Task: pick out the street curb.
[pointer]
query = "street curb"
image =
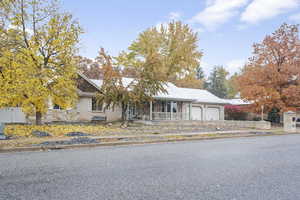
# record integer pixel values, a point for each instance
(61, 147)
(178, 134)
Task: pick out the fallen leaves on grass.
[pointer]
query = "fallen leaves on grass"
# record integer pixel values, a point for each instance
(55, 130)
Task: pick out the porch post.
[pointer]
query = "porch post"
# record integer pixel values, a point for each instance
(190, 111)
(150, 110)
(181, 116)
(171, 110)
(128, 112)
(166, 107)
(166, 110)
(204, 113)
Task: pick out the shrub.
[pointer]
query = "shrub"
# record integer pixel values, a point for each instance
(233, 112)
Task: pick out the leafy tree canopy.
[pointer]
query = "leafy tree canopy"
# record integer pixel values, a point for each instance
(158, 55)
(38, 46)
(174, 48)
(272, 77)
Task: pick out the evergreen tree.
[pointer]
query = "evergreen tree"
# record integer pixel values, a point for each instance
(217, 81)
(200, 73)
(232, 87)
(274, 115)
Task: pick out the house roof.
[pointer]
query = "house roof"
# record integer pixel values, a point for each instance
(237, 102)
(177, 93)
(97, 86)
(125, 81)
(199, 95)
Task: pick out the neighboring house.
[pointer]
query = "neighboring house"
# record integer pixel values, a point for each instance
(177, 104)
(237, 102)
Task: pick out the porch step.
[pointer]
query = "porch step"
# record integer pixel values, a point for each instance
(185, 123)
(162, 127)
(170, 130)
(188, 123)
(173, 122)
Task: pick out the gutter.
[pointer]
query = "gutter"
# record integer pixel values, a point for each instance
(85, 94)
(174, 99)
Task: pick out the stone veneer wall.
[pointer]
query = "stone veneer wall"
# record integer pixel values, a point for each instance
(241, 124)
(222, 123)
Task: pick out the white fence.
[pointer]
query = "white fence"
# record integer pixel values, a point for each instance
(12, 115)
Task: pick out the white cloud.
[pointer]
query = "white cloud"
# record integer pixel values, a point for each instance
(235, 65)
(172, 16)
(295, 17)
(199, 30)
(207, 68)
(259, 10)
(218, 12)
(209, 2)
(175, 15)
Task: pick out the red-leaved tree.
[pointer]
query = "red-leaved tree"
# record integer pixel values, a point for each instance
(271, 79)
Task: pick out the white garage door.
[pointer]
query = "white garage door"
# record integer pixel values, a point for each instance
(196, 113)
(212, 114)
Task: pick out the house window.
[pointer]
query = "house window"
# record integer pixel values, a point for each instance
(159, 106)
(163, 106)
(96, 106)
(57, 107)
(168, 106)
(175, 107)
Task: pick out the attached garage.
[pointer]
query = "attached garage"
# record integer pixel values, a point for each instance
(196, 113)
(212, 113)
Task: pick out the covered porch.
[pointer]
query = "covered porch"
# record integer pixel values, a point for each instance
(162, 110)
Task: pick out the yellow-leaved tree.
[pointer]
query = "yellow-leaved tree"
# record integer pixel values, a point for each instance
(158, 55)
(37, 48)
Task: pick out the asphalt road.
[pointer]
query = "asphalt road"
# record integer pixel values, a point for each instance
(245, 168)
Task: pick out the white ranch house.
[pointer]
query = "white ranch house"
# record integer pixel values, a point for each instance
(177, 104)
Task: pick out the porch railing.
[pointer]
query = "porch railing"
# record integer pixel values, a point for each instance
(169, 116)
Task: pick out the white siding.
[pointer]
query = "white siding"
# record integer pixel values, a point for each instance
(12, 115)
(196, 113)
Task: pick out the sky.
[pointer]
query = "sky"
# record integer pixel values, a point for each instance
(227, 29)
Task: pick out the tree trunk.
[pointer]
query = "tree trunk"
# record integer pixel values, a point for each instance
(124, 112)
(38, 118)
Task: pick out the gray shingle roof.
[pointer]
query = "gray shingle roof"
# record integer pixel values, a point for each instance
(178, 93)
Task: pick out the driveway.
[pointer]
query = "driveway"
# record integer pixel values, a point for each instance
(241, 168)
